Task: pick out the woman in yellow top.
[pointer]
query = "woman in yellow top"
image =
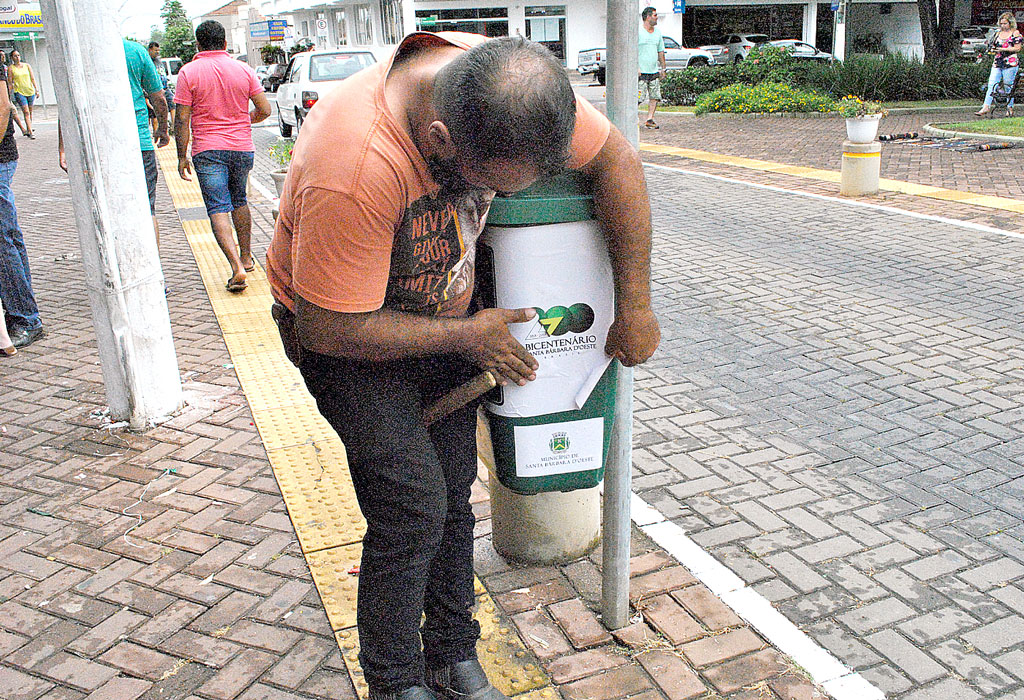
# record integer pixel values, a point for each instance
(24, 88)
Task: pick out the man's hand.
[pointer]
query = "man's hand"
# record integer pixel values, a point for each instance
(184, 169)
(487, 342)
(162, 138)
(633, 336)
(62, 160)
(661, 73)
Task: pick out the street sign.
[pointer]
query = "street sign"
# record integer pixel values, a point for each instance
(321, 27)
(276, 29)
(428, 21)
(679, 7)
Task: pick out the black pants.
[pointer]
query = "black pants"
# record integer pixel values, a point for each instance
(413, 486)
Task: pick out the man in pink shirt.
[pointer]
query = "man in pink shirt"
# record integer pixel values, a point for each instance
(213, 95)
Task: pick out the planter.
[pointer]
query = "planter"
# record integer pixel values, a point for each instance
(278, 177)
(863, 129)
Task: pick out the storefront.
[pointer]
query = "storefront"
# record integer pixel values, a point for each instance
(24, 32)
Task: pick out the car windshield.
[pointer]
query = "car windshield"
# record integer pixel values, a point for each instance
(757, 38)
(175, 65)
(338, 66)
(670, 43)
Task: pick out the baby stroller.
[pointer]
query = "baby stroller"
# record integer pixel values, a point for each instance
(1003, 93)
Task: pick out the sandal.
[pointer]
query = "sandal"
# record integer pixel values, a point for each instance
(235, 287)
(251, 267)
(8, 351)
(651, 125)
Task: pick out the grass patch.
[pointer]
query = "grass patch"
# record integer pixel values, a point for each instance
(928, 104)
(1013, 126)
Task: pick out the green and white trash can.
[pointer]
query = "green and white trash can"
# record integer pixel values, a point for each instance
(543, 249)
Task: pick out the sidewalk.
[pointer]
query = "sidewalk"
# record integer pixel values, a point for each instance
(213, 594)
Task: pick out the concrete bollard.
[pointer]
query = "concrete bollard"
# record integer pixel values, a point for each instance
(547, 528)
(862, 163)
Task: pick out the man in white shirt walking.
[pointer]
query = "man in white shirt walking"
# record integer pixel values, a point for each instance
(651, 63)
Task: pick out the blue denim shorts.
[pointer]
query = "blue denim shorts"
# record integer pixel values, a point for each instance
(222, 178)
(24, 100)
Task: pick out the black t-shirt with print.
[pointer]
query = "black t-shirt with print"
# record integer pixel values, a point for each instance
(8, 148)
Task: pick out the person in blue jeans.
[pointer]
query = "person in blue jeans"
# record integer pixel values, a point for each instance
(21, 314)
(1006, 45)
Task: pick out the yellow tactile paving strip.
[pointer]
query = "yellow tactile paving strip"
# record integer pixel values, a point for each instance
(309, 462)
(900, 186)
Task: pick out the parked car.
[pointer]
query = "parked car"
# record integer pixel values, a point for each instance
(801, 49)
(170, 67)
(272, 79)
(592, 61)
(973, 40)
(733, 48)
(311, 75)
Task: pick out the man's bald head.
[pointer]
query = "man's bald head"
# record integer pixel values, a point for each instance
(508, 98)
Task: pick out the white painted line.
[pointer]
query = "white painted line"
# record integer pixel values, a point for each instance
(709, 570)
(852, 203)
(644, 514)
(824, 668)
(264, 192)
(753, 608)
(853, 686)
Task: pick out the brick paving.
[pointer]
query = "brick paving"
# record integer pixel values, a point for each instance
(835, 415)
(816, 142)
(209, 597)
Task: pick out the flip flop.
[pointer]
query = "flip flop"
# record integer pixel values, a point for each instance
(235, 287)
(251, 267)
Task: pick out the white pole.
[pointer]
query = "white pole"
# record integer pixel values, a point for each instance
(621, 72)
(122, 267)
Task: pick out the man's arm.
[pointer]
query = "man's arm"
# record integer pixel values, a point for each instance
(661, 62)
(261, 108)
(182, 131)
(5, 108)
(159, 103)
(624, 210)
(391, 335)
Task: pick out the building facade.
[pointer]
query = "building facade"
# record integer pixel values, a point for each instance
(569, 26)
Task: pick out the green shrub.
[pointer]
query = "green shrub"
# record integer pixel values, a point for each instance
(768, 63)
(896, 77)
(681, 87)
(764, 97)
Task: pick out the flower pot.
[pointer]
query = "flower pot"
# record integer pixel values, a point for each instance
(863, 129)
(278, 177)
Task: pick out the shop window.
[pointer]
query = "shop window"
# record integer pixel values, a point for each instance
(391, 21)
(341, 27)
(364, 25)
(489, 21)
(545, 24)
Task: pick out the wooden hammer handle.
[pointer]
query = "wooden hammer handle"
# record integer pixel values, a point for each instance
(459, 397)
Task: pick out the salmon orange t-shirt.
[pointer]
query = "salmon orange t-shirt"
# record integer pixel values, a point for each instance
(363, 225)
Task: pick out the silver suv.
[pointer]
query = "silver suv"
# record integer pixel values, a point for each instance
(733, 48)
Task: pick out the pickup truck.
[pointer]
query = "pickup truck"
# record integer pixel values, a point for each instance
(591, 61)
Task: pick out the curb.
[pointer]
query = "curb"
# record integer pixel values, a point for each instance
(820, 115)
(936, 131)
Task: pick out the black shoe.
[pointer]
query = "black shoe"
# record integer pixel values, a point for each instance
(22, 337)
(417, 692)
(465, 680)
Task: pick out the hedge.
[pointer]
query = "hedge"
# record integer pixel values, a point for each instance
(890, 79)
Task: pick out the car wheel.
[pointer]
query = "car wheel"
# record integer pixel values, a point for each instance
(601, 79)
(698, 61)
(298, 122)
(285, 129)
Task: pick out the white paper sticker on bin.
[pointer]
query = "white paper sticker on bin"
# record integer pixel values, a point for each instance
(559, 448)
(574, 311)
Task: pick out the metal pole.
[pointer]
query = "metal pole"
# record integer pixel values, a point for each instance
(621, 73)
(108, 186)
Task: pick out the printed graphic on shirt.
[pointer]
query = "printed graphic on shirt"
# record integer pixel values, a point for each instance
(432, 258)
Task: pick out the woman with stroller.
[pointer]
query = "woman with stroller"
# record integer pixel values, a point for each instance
(1006, 44)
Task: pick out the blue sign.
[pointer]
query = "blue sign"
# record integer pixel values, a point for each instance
(679, 6)
(835, 5)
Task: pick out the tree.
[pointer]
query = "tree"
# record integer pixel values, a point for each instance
(937, 30)
(156, 34)
(179, 38)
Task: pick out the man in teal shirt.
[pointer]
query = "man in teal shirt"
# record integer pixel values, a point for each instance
(652, 63)
(145, 82)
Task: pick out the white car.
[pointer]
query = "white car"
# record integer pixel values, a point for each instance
(592, 61)
(733, 48)
(801, 49)
(311, 75)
